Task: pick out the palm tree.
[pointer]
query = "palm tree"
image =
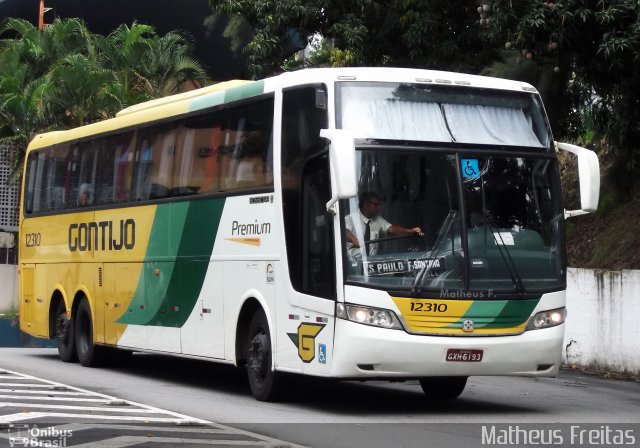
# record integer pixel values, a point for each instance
(168, 64)
(64, 76)
(80, 91)
(22, 113)
(123, 51)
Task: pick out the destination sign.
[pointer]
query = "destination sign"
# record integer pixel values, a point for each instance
(434, 266)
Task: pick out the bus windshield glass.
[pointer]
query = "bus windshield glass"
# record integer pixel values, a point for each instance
(427, 113)
(504, 212)
(448, 207)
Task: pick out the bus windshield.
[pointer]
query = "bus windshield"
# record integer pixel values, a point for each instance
(418, 112)
(504, 212)
(491, 221)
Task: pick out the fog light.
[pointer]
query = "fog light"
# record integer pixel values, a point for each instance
(547, 319)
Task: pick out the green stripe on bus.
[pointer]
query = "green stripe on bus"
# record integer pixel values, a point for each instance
(157, 268)
(192, 262)
(514, 313)
(244, 91)
(497, 313)
(211, 100)
(176, 262)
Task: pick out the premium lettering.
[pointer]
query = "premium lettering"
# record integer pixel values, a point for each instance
(103, 235)
(255, 228)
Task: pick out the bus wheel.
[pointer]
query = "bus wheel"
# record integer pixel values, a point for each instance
(443, 388)
(89, 354)
(65, 336)
(262, 379)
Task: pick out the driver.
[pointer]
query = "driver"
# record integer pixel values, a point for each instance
(367, 225)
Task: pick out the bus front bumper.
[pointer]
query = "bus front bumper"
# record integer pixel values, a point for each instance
(362, 351)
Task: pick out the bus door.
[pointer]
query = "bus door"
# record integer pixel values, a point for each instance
(308, 315)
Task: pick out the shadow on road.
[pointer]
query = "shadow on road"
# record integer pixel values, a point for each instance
(336, 397)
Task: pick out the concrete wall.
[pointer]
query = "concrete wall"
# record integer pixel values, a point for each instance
(8, 287)
(603, 322)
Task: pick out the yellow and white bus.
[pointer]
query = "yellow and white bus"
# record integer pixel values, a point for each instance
(219, 224)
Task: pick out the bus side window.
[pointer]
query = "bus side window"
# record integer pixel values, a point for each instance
(115, 159)
(187, 175)
(33, 181)
(87, 175)
(57, 178)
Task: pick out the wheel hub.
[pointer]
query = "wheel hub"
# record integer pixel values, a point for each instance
(257, 361)
(62, 329)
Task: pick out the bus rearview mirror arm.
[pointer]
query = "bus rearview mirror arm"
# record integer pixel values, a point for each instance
(589, 174)
(342, 160)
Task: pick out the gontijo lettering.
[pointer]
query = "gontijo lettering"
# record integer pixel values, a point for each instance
(254, 228)
(102, 235)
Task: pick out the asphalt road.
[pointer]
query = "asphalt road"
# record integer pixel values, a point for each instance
(375, 414)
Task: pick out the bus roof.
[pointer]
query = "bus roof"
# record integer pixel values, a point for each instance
(405, 75)
(230, 91)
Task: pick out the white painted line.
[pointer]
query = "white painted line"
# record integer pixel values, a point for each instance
(48, 392)
(125, 441)
(132, 403)
(27, 385)
(79, 408)
(92, 400)
(31, 415)
(183, 429)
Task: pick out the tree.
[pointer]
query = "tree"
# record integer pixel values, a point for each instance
(168, 65)
(64, 76)
(79, 91)
(436, 34)
(594, 48)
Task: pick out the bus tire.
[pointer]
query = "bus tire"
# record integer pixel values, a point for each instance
(264, 381)
(65, 334)
(89, 354)
(443, 388)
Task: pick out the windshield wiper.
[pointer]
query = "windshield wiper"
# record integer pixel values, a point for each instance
(424, 272)
(508, 261)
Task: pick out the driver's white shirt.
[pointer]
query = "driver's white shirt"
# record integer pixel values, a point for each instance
(356, 222)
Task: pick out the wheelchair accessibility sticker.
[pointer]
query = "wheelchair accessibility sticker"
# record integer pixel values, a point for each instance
(322, 356)
(470, 168)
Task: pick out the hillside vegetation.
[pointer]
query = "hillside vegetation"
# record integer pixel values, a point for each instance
(608, 239)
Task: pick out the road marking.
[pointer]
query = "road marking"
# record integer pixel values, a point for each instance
(125, 441)
(90, 400)
(133, 424)
(128, 407)
(32, 415)
(48, 392)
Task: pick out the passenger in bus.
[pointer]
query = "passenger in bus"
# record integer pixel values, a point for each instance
(85, 195)
(366, 224)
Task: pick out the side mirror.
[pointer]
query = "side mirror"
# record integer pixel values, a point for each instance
(342, 156)
(589, 173)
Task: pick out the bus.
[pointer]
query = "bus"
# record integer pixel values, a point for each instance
(216, 224)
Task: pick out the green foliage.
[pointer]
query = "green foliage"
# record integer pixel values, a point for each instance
(597, 44)
(438, 34)
(65, 76)
(582, 55)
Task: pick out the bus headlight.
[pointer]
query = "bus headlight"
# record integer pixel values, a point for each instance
(375, 317)
(546, 319)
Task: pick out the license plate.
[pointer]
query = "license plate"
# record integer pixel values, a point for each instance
(464, 355)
